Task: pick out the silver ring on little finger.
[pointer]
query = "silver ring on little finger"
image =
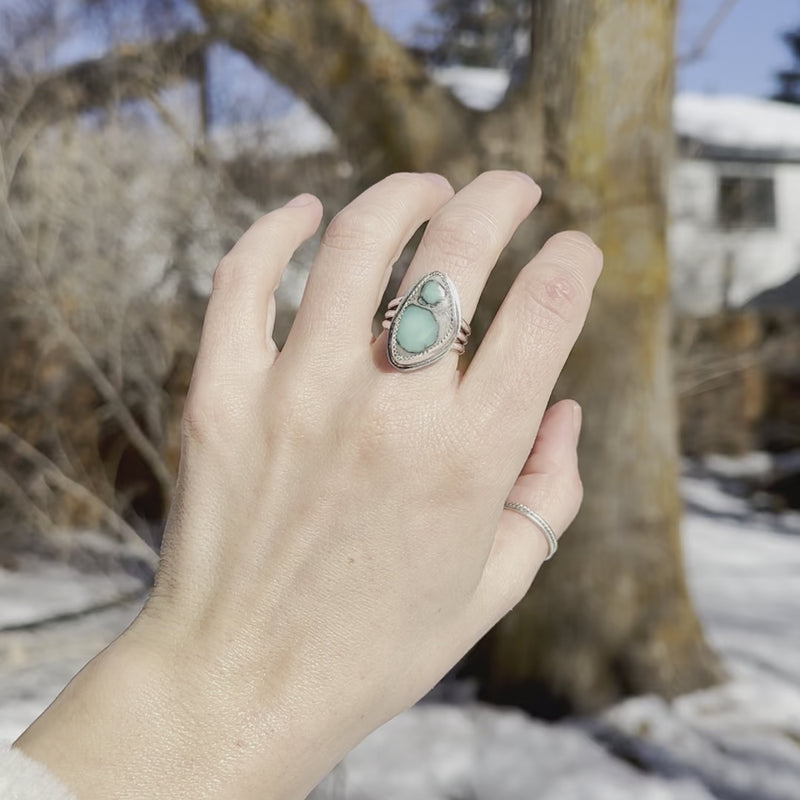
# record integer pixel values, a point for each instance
(540, 522)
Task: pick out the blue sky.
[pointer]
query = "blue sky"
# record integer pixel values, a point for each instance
(746, 49)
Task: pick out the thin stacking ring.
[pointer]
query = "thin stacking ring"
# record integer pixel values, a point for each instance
(539, 522)
(425, 324)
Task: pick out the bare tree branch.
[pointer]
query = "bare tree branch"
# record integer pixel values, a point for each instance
(700, 44)
(378, 99)
(17, 492)
(62, 481)
(135, 71)
(82, 355)
(705, 377)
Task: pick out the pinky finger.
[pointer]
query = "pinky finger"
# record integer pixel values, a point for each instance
(550, 485)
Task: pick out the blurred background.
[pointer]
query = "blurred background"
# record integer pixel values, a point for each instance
(658, 656)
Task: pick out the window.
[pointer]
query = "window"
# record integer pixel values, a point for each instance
(746, 202)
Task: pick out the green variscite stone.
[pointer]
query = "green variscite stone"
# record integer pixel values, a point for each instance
(416, 329)
(432, 292)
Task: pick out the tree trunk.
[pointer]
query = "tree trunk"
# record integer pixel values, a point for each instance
(610, 616)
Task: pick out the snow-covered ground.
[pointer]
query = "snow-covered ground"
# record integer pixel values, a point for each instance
(737, 741)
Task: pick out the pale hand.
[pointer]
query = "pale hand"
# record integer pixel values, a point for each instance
(338, 539)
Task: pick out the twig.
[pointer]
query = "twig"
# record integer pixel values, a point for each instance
(14, 488)
(56, 475)
(707, 383)
(138, 439)
(203, 155)
(698, 48)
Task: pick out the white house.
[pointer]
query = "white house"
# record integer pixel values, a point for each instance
(734, 200)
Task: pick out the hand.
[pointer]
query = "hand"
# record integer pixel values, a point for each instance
(338, 539)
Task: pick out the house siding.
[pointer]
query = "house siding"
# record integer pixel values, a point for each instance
(713, 267)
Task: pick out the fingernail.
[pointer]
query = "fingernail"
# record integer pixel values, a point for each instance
(577, 420)
(304, 199)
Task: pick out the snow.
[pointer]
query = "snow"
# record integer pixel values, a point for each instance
(744, 569)
(439, 752)
(46, 590)
(737, 741)
(751, 465)
(35, 665)
(738, 121)
(478, 88)
(741, 738)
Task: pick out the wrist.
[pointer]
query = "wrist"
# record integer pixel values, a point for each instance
(134, 723)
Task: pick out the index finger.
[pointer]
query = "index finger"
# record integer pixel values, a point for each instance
(512, 375)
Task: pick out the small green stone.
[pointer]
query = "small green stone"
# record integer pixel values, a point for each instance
(432, 292)
(417, 329)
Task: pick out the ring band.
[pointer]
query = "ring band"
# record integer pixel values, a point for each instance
(539, 522)
(425, 324)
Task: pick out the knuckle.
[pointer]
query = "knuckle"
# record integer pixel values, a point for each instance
(577, 492)
(519, 585)
(511, 590)
(215, 414)
(544, 465)
(295, 426)
(366, 425)
(356, 230)
(556, 296)
(300, 416)
(464, 457)
(462, 240)
(200, 419)
(370, 432)
(228, 272)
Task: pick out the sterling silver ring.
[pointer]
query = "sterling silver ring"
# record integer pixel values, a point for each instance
(540, 523)
(425, 323)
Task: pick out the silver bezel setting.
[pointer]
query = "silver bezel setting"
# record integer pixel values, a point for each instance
(448, 317)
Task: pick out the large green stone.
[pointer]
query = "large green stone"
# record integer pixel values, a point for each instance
(416, 329)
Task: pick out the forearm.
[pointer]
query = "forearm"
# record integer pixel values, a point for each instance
(131, 726)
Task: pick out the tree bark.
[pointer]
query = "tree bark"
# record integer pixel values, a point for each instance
(611, 615)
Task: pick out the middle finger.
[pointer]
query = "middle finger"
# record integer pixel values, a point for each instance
(465, 237)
